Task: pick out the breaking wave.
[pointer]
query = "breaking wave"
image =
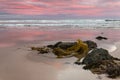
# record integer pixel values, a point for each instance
(83, 23)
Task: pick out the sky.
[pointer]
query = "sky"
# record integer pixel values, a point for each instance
(59, 9)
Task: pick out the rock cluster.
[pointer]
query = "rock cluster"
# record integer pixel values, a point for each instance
(98, 61)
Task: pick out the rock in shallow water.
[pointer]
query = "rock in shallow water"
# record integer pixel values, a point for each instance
(97, 55)
(101, 38)
(100, 61)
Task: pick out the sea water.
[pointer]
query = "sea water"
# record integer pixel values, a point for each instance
(81, 23)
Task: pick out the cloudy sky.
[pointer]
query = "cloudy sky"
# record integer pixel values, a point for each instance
(61, 9)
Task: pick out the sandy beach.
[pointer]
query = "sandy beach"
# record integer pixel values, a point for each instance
(18, 62)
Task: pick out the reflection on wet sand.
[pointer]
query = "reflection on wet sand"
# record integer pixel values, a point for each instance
(19, 36)
(74, 72)
(64, 71)
(19, 63)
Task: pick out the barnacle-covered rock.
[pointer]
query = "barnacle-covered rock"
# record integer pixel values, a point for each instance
(109, 67)
(113, 69)
(100, 61)
(97, 55)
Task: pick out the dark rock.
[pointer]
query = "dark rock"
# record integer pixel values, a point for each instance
(109, 67)
(55, 45)
(99, 61)
(91, 44)
(65, 45)
(101, 38)
(113, 70)
(62, 45)
(97, 55)
(50, 46)
(78, 63)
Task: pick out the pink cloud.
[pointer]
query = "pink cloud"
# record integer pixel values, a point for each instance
(53, 7)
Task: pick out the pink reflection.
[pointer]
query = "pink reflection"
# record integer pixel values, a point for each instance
(2, 45)
(14, 37)
(24, 35)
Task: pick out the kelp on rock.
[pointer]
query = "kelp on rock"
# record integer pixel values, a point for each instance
(98, 61)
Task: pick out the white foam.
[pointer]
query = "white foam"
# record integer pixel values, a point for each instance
(82, 23)
(109, 47)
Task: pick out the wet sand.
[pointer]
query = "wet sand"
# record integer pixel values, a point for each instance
(18, 62)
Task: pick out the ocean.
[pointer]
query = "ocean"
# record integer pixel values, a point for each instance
(61, 24)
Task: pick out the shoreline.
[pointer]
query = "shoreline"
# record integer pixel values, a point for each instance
(61, 27)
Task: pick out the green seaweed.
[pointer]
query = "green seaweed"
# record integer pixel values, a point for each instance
(79, 50)
(41, 50)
